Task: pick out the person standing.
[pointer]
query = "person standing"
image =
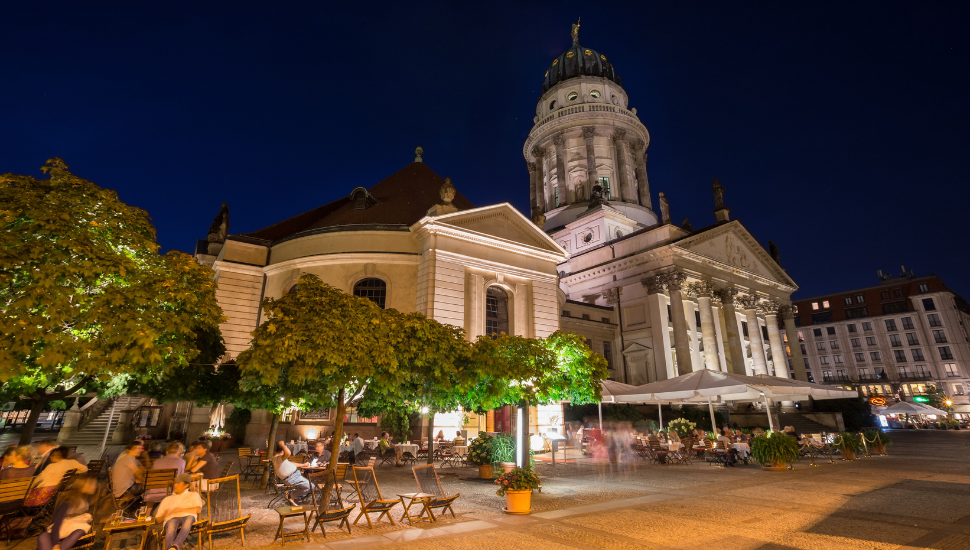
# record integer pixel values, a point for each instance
(178, 511)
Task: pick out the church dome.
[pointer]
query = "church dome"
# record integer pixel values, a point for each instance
(579, 61)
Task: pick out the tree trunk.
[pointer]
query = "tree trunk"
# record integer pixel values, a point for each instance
(430, 437)
(338, 429)
(270, 448)
(37, 406)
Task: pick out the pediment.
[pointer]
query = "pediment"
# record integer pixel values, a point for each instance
(635, 348)
(733, 245)
(502, 221)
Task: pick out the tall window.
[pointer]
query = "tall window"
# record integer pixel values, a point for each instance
(496, 312)
(945, 353)
(875, 356)
(870, 340)
(923, 287)
(899, 355)
(834, 344)
(928, 304)
(838, 359)
(917, 354)
(830, 331)
(744, 328)
(851, 327)
(895, 341)
(867, 326)
(934, 320)
(860, 358)
(951, 370)
(555, 192)
(374, 290)
(908, 323)
(820, 346)
(855, 342)
(608, 354)
(939, 336)
(848, 300)
(911, 339)
(817, 332)
(605, 184)
(860, 299)
(890, 325)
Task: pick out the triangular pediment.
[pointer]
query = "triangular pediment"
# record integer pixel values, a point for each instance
(501, 221)
(733, 245)
(635, 348)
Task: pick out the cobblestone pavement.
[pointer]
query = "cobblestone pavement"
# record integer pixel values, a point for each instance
(918, 497)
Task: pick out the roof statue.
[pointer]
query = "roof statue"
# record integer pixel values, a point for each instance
(447, 192)
(575, 32)
(664, 209)
(718, 191)
(219, 229)
(596, 197)
(773, 250)
(686, 225)
(417, 154)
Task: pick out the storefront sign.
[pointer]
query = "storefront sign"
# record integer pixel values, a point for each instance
(877, 400)
(921, 399)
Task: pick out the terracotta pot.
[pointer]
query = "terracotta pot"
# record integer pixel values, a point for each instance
(518, 501)
(486, 471)
(507, 466)
(848, 455)
(775, 468)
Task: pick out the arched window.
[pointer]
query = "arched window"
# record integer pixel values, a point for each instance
(496, 312)
(374, 290)
(292, 289)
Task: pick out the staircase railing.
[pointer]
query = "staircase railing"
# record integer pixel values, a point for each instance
(91, 410)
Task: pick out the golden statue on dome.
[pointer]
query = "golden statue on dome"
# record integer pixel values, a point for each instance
(575, 32)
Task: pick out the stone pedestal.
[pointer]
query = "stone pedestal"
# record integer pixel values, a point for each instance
(72, 423)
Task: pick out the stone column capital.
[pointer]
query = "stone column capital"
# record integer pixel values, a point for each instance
(639, 145)
(726, 295)
(787, 312)
(747, 302)
(558, 139)
(673, 280)
(538, 152)
(588, 132)
(770, 307)
(653, 284)
(531, 166)
(702, 289)
(619, 135)
(612, 295)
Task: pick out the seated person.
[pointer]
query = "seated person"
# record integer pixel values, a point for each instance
(320, 455)
(156, 450)
(652, 438)
(128, 473)
(178, 511)
(17, 466)
(201, 461)
(42, 452)
(384, 445)
(358, 445)
(171, 461)
(72, 519)
(459, 440)
(674, 437)
(8, 456)
(49, 480)
(288, 473)
(740, 436)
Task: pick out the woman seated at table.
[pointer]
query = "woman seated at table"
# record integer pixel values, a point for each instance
(674, 437)
(16, 466)
(49, 479)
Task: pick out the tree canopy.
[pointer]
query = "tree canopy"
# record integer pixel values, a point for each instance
(85, 295)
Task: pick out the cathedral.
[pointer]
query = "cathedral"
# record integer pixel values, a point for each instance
(596, 255)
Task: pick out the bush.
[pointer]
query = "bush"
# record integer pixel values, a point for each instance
(644, 426)
(698, 415)
(682, 426)
(480, 450)
(774, 449)
(397, 423)
(503, 448)
(612, 412)
(518, 479)
(846, 441)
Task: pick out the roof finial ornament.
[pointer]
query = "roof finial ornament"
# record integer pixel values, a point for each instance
(417, 154)
(575, 32)
(447, 192)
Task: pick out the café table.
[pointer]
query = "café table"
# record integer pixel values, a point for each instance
(411, 448)
(424, 499)
(743, 448)
(121, 526)
(370, 444)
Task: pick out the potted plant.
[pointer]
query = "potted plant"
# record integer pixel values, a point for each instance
(774, 451)
(848, 444)
(517, 486)
(226, 440)
(480, 454)
(503, 452)
(884, 442)
(682, 426)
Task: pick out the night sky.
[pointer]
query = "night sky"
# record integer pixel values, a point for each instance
(840, 130)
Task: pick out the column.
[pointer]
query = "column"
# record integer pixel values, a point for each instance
(612, 297)
(540, 200)
(622, 149)
(588, 133)
(735, 354)
(750, 305)
(560, 143)
(778, 356)
(674, 280)
(787, 313)
(657, 309)
(531, 166)
(703, 292)
(640, 161)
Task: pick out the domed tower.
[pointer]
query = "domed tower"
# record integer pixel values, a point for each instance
(585, 135)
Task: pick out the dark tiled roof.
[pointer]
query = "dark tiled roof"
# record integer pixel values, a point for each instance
(579, 61)
(402, 198)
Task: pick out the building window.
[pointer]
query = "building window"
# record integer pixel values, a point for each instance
(744, 328)
(890, 325)
(951, 370)
(824, 360)
(374, 290)
(848, 300)
(555, 192)
(917, 354)
(830, 331)
(565, 313)
(804, 351)
(911, 339)
(922, 371)
(860, 358)
(605, 184)
(923, 287)
(907, 323)
(945, 353)
(605, 319)
(939, 336)
(884, 295)
(825, 304)
(895, 341)
(586, 317)
(870, 340)
(874, 355)
(860, 299)
(496, 312)
(867, 326)
(854, 342)
(826, 376)
(928, 304)
(815, 306)
(934, 320)
(351, 417)
(697, 319)
(856, 312)
(899, 355)
(851, 327)
(838, 359)
(958, 389)
(880, 374)
(820, 346)
(608, 354)
(817, 332)
(834, 344)
(902, 371)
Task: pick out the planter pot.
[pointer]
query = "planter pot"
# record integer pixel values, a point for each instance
(507, 466)
(774, 467)
(486, 471)
(518, 501)
(848, 455)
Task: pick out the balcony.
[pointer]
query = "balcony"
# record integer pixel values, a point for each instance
(915, 376)
(841, 381)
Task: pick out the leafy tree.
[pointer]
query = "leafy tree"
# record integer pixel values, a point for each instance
(85, 297)
(938, 398)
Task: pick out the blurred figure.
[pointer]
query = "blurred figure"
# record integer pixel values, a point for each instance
(50, 479)
(72, 519)
(42, 452)
(128, 471)
(18, 466)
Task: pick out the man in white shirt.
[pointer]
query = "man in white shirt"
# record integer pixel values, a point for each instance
(290, 475)
(178, 512)
(358, 445)
(128, 470)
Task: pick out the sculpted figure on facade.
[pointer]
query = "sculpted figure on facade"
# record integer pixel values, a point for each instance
(219, 229)
(686, 225)
(664, 209)
(575, 32)
(773, 250)
(718, 191)
(596, 197)
(612, 295)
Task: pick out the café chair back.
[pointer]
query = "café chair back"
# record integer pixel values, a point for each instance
(224, 508)
(330, 506)
(371, 500)
(427, 478)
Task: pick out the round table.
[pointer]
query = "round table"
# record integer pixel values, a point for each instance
(460, 450)
(370, 444)
(296, 447)
(413, 449)
(742, 448)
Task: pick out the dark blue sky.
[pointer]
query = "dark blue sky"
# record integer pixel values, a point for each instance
(841, 130)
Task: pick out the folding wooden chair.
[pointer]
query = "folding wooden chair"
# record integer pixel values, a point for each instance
(388, 456)
(225, 508)
(407, 457)
(12, 495)
(158, 484)
(371, 500)
(226, 469)
(94, 469)
(331, 507)
(427, 478)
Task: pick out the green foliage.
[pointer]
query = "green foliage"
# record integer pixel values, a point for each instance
(937, 398)
(848, 442)
(682, 426)
(774, 449)
(239, 417)
(503, 448)
(57, 405)
(643, 426)
(519, 479)
(856, 412)
(397, 423)
(204, 384)
(480, 450)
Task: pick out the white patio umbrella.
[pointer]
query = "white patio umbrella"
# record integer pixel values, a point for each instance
(904, 407)
(217, 418)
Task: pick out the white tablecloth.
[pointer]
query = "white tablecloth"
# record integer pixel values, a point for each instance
(296, 447)
(460, 450)
(743, 448)
(346, 448)
(413, 449)
(672, 446)
(370, 444)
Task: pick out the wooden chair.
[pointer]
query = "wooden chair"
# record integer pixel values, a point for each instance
(225, 508)
(371, 500)
(427, 478)
(94, 469)
(388, 456)
(226, 469)
(331, 507)
(12, 495)
(158, 484)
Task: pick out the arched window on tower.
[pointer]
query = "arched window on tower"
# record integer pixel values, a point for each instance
(292, 289)
(374, 290)
(496, 312)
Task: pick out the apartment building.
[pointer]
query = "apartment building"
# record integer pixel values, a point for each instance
(890, 340)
